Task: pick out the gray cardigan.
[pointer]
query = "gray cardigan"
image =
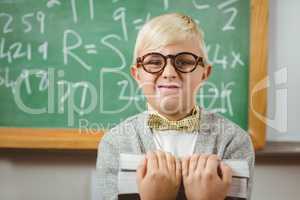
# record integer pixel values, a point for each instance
(217, 135)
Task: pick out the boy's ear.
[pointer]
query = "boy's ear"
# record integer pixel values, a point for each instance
(206, 73)
(135, 73)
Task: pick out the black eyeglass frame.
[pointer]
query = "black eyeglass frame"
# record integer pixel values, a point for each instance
(198, 59)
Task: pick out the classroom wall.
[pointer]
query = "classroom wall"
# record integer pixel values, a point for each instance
(38, 175)
(284, 70)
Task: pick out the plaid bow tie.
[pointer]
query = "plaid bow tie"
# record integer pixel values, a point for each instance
(188, 124)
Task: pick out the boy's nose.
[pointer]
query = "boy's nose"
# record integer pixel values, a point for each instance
(169, 71)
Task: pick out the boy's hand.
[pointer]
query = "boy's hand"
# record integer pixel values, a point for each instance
(201, 178)
(159, 176)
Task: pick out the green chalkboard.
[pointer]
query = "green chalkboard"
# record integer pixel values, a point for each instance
(65, 63)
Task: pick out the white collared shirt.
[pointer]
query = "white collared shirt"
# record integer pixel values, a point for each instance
(175, 142)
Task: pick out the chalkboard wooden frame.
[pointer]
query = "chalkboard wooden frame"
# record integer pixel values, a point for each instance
(258, 70)
(53, 138)
(279, 149)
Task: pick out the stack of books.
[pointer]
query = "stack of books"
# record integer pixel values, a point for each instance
(128, 189)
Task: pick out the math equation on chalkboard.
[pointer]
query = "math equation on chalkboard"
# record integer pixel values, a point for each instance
(66, 63)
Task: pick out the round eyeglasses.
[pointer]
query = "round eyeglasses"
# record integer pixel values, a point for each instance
(183, 62)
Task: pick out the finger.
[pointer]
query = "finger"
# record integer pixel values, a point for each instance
(171, 162)
(162, 161)
(202, 163)
(141, 170)
(185, 166)
(193, 163)
(178, 170)
(212, 164)
(152, 162)
(226, 173)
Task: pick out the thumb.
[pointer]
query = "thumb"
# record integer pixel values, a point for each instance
(226, 173)
(141, 170)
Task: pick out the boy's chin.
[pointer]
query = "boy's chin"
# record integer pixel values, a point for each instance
(169, 107)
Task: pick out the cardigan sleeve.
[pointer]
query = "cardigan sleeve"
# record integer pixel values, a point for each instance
(241, 147)
(107, 168)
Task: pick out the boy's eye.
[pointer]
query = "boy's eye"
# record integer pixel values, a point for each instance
(153, 62)
(180, 63)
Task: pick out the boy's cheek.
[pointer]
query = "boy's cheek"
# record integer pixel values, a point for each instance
(149, 90)
(194, 85)
(145, 76)
(147, 83)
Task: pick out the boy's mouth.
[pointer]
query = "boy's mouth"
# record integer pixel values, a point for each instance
(168, 88)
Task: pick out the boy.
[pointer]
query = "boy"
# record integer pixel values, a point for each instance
(182, 142)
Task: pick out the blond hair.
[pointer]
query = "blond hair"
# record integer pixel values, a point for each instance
(168, 29)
